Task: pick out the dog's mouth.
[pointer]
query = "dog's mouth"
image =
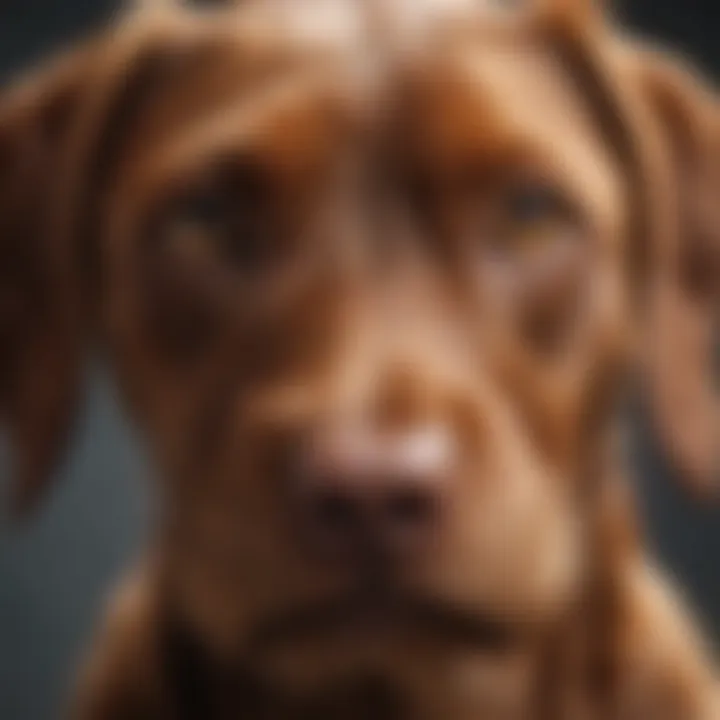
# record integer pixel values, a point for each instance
(379, 615)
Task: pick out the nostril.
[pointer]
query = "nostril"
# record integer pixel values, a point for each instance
(409, 509)
(359, 494)
(333, 512)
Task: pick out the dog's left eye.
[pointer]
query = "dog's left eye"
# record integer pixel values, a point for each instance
(530, 203)
(531, 216)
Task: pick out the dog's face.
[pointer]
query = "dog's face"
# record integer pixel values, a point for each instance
(368, 299)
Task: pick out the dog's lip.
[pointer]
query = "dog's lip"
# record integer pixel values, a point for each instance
(377, 614)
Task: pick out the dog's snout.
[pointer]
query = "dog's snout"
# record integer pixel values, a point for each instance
(361, 492)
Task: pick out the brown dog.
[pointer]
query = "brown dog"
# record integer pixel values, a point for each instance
(372, 278)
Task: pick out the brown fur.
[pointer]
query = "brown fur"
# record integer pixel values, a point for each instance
(376, 171)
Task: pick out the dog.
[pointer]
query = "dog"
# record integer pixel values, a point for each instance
(375, 280)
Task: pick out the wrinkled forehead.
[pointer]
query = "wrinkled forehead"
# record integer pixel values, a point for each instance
(366, 21)
(472, 88)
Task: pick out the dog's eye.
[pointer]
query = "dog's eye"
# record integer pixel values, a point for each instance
(531, 203)
(227, 219)
(195, 227)
(532, 216)
(535, 238)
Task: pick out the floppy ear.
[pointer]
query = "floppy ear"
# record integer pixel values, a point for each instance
(60, 132)
(664, 125)
(40, 329)
(681, 351)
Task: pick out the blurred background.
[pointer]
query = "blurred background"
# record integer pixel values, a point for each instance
(56, 573)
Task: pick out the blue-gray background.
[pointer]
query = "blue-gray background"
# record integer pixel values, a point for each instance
(55, 573)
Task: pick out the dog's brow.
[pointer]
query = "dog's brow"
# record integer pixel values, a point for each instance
(244, 124)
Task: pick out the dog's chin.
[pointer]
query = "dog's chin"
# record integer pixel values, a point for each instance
(376, 635)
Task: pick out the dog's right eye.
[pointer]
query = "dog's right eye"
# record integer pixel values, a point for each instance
(194, 229)
(225, 221)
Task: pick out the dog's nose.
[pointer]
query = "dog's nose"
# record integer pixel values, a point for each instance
(362, 493)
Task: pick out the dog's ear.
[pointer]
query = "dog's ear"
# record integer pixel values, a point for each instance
(680, 354)
(60, 129)
(40, 329)
(663, 122)
(570, 13)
